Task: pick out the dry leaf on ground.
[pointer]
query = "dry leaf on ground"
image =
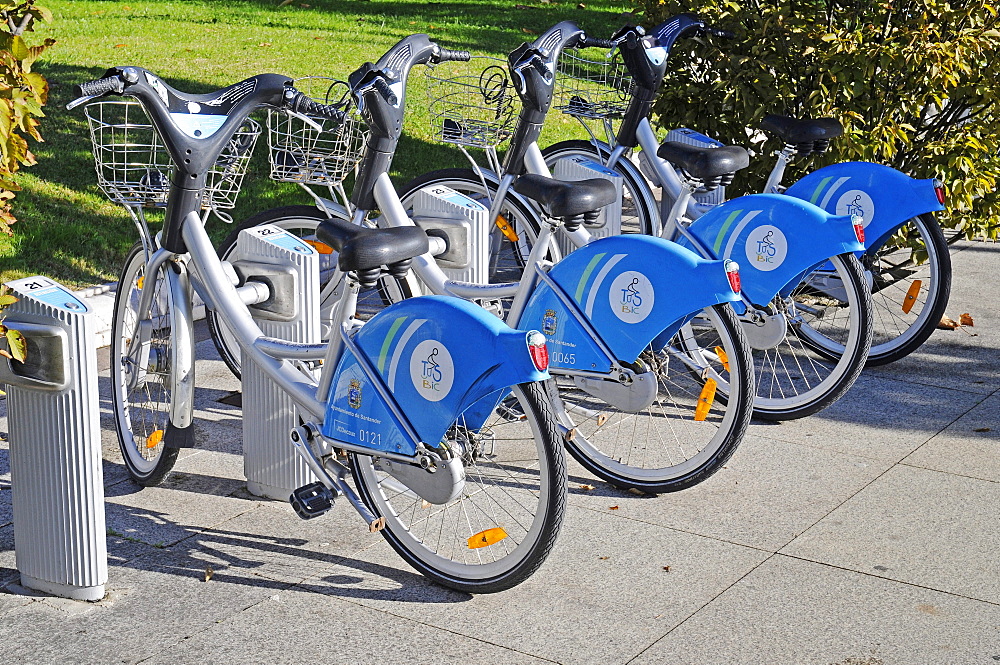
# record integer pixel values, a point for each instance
(586, 488)
(613, 508)
(947, 324)
(966, 320)
(208, 573)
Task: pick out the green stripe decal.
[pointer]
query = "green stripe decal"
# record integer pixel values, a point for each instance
(586, 274)
(722, 232)
(822, 183)
(396, 325)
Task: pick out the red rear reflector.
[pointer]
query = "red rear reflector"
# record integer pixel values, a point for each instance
(859, 231)
(537, 350)
(940, 194)
(733, 274)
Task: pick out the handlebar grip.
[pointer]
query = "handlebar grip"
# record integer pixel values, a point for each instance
(99, 87)
(587, 42)
(309, 107)
(448, 55)
(386, 92)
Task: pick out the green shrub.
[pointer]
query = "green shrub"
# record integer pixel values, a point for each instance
(913, 81)
(22, 95)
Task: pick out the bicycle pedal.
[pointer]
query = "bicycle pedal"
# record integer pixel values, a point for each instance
(311, 500)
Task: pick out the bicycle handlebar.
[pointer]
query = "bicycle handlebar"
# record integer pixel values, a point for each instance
(447, 55)
(588, 42)
(99, 87)
(299, 102)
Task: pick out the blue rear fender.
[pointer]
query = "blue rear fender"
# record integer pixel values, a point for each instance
(775, 239)
(437, 356)
(884, 197)
(632, 289)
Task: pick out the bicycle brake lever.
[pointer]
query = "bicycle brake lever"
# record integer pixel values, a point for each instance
(79, 100)
(309, 121)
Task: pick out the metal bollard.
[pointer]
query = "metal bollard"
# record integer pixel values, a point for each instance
(55, 443)
(291, 268)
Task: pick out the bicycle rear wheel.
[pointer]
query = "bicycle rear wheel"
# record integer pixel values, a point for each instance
(504, 524)
(911, 283)
(692, 423)
(141, 379)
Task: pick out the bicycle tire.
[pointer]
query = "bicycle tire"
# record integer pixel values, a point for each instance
(815, 342)
(142, 413)
(639, 213)
(301, 220)
(666, 448)
(909, 296)
(450, 560)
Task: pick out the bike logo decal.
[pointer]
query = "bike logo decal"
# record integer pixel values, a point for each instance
(631, 296)
(432, 370)
(766, 247)
(856, 202)
(354, 394)
(549, 322)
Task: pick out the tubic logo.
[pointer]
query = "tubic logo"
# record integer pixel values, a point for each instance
(766, 247)
(631, 296)
(432, 370)
(856, 202)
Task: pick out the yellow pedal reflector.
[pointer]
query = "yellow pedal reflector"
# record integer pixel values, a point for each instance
(320, 247)
(723, 358)
(506, 228)
(601, 419)
(153, 440)
(487, 538)
(705, 400)
(140, 281)
(911, 295)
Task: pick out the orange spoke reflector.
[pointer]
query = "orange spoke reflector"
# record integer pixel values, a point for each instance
(487, 538)
(507, 229)
(140, 281)
(705, 400)
(153, 440)
(911, 295)
(723, 358)
(320, 247)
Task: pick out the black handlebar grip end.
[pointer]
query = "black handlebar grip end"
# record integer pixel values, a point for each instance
(448, 55)
(99, 87)
(386, 91)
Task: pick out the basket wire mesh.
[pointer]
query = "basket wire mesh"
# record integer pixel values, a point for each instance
(588, 88)
(473, 104)
(133, 165)
(301, 153)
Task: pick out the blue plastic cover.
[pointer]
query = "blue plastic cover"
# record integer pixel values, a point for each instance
(884, 197)
(437, 356)
(631, 288)
(774, 239)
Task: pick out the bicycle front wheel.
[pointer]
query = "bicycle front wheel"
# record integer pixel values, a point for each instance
(688, 426)
(141, 373)
(504, 524)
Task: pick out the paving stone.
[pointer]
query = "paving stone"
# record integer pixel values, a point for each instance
(768, 493)
(969, 447)
(309, 627)
(602, 596)
(918, 526)
(879, 418)
(793, 611)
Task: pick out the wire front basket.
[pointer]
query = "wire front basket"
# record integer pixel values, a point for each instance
(474, 104)
(134, 168)
(323, 153)
(592, 88)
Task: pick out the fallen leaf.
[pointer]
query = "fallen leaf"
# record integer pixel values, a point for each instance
(586, 488)
(613, 508)
(966, 320)
(120, 45)
(208, 573)
(602, 558)
(317, 38)
(666, 568)
(264, 44)
(304, 5)
(285, 2)
(947, 324)
(528, 31)
(983, 429)
(636, 491)
(581, 6)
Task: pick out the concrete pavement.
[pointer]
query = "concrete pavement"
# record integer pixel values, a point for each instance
(867, 534)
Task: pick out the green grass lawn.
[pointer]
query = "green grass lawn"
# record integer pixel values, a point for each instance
(69, 231)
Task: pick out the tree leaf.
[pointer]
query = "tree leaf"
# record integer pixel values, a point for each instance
(18, 345)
